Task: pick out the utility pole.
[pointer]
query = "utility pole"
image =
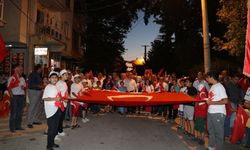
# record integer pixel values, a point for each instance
(145, 52)
(206, 46)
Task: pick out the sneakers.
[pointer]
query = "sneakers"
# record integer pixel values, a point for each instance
(57, 138)
(85, 120)
(61, 134)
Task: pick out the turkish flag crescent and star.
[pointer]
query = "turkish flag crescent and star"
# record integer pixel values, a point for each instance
(246, 68)
(3, 49)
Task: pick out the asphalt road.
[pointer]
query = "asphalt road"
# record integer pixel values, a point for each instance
(110, 131)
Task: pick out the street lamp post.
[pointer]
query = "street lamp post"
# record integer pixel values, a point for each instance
(145, 52)
(206, 46)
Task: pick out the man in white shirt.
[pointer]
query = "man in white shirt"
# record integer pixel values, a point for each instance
(16, 86)
(217, 98)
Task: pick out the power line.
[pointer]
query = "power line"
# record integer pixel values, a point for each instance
(99, 2)
(117, 3)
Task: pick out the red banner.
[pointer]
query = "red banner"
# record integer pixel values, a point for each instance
(246, 68)
(134, 99)
(3, 50)
(239, 125)
(5, 106)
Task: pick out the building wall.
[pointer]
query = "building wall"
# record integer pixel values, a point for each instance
(11, 30)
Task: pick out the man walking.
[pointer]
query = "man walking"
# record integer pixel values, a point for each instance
(35, 84)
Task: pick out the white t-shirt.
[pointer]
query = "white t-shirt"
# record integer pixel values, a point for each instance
(247, 96)
(130, 84)
(76, 88)
(50, 91)
(149, 88)
(197, 83)
(17, 90)
(217, 93)
(63, 88)
(183, 90)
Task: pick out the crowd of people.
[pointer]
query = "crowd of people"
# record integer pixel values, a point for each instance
(221, 94)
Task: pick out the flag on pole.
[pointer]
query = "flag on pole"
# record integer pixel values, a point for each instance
(3, 50)
(246, 68)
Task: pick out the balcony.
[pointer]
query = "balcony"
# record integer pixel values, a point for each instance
(51, 32)
(56, 5)
(52, 37)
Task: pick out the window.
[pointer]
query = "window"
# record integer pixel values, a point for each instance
(40, 17)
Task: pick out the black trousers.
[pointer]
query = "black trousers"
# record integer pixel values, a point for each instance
(16, 111)
(53, 123)
(60, 125)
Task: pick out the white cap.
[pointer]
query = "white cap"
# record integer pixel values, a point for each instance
(53, 73)
(63, 72)
(84, 80)
(76, 75)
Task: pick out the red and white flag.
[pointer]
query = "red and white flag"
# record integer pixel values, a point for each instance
(3, 49)
(239, 127)
(246, 68)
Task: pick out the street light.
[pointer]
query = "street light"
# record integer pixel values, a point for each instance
(139, 61)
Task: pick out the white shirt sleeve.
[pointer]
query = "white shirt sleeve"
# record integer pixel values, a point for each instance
(247, 96)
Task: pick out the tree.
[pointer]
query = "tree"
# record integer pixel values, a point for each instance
(180, 40)
(108, 22)
(233, 13)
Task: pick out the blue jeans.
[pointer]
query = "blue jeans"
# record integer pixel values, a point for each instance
(227, 129)
(16, 112)
(248, 136)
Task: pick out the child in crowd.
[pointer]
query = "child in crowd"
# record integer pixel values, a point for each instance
(188, 109)
(76, 90)
(50, 97)
(122, 88)
(183, 89)
(84, 106)
(200, 113)
(63, 89)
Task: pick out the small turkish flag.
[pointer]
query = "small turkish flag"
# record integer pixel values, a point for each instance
(3, 49)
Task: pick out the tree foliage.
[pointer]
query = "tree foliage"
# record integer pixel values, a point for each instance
(232, 13)
(180, 38)
(108, 22)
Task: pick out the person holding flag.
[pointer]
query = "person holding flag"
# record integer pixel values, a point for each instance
(16, 86)
(51, 97)
(217, 98)
(63, 88)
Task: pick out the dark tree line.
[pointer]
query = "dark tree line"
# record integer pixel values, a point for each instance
(179, 46)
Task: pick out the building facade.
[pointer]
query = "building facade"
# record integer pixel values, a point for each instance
(41, 32)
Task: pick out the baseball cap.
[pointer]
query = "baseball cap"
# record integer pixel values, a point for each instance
(53, 73)
(63, 72)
